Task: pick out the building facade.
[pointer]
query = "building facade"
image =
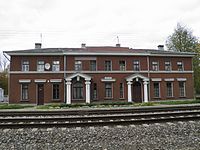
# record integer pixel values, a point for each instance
(98, 74)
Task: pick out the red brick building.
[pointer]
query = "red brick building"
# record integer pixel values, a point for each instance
(99, 74)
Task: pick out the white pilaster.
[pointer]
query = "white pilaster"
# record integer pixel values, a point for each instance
(87, 84)
(145, 91)
(129, 91)
(68, 83)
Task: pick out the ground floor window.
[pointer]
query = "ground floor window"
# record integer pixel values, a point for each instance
(182, 89)
(56, 91)
(121, 90)
(78, 90)
(169, 89)
(156, 89)
(95, 91)
(24, 92)
(108, 90)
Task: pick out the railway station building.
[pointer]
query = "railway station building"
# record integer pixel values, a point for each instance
(98, 74)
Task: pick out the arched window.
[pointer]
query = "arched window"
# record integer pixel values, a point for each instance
(78, 90)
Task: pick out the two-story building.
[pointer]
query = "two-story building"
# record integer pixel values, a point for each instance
(98, 74)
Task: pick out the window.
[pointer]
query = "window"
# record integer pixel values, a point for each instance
(155, 66)
(156, 89)
(182, 89)
(180, 65)
(24, 91)
(167, 66)
(121, 90)
(169, 89)
(25, 65)
(122, 65)
(78, 65)
(95, 91)
(78, 90)
(108, 65)
(108, 90)
(136, 65)
(93, 66)
(40, 66)
(56, 66)
(56, 91)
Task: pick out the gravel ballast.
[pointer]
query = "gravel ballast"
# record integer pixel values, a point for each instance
(164, 136)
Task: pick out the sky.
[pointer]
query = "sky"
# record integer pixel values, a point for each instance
(68, 23)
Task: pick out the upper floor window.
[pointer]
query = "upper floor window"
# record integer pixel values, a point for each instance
(108, 65)
(122, 65)
(136, 65)
(78, 65)
(56, 66)
(93, 65)
(167, 66)
(40, 65)
(155, 66)
(180, 65)
(25, 65)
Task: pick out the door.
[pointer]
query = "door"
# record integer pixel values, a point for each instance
(137, 92)
(40, 94)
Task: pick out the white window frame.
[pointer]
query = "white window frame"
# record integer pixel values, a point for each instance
(184, 86)
(91, 65)
(25, 67)
(58, 92)
(110, 65)
(172, 89)
(122, 91)
(78, 63)
(27, 99)
(154, 91)
(111, 90)
(138, 63)
(56, 65)
(180, 62)
(170, 65)
(124, 65)
(154, 63)
(40, 66)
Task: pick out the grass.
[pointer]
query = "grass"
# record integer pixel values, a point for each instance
(98, 105)
(14, 106)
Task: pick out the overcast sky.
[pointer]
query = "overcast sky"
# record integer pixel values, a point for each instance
(68, 23)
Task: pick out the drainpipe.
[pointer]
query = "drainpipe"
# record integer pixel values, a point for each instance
(148, 62)
(64, 78)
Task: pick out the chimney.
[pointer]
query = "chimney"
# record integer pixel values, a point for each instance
(161, 47)
(118, 45)
(38, 45)
(83, 45)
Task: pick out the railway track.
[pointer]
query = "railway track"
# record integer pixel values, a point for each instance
(101, 117)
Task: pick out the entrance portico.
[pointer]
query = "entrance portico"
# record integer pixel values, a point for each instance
(77, 76)
(135, 78)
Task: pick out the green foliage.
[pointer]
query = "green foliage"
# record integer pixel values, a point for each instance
(182, 40)
(4, 82)
(14, 106)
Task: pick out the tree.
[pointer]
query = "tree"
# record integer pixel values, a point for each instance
(182, 40)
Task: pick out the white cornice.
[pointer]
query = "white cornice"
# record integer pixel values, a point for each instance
(99, 72)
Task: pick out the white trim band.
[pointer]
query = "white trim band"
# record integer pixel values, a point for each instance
(108, 80)
(169, 79)
(181, 79)
(24, 81)
(156, 79)
(40, 80)
(55, 80)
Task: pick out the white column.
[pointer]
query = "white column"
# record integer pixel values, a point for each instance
(129, 91)
(68, 83)
(87, 84)
(145, 91)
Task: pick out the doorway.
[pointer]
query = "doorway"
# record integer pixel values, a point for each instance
(137, 92)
